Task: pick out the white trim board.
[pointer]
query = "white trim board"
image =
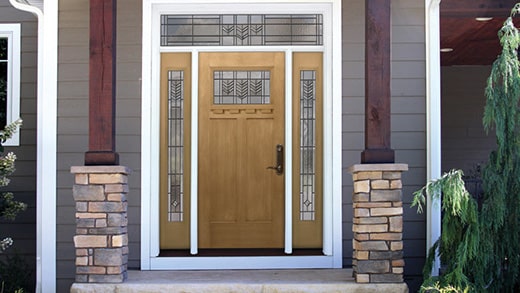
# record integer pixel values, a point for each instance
(433, 112)
(46, 142)
(152, 9)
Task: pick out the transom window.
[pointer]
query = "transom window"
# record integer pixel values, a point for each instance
(242, 30)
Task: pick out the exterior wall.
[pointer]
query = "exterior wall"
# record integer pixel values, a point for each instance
(464, 141)
(408, 118)
(23, 181)
(73, 119)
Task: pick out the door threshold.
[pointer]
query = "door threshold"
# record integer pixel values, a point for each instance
(244, 262)
(239, 252)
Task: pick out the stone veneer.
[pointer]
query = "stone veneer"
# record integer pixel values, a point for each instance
(378, 223)
(101, 239)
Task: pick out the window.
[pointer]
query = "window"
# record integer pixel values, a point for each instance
(9, 77)
(242, 30)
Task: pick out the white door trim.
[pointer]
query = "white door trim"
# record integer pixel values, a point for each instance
(194, 187)
(331, 9)
(288, 153)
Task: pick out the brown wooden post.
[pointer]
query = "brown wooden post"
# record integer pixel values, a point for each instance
(377, 83)
(102, 86)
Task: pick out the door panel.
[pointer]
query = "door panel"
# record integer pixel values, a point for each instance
(241, 201)
(259, 147)
(220, 180)
(175, 157)
(307, 150)
(307, 136)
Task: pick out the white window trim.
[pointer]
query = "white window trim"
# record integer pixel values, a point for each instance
(150, 134)
(11, 31)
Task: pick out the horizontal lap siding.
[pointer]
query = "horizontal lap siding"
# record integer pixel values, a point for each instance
(73, 119)
(23, 181)
(408, 117)
(465, 144)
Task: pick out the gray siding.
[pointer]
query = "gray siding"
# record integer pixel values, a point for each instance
(464, 141)
(408, 117)
(23, 184)
(409, 124)
(73, 119)
(72, 125)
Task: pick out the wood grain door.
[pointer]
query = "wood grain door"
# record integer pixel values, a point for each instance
(241, 122)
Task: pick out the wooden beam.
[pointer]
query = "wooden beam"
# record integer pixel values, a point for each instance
(102, 84)
(377, 83)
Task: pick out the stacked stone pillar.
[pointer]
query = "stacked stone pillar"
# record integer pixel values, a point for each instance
(378, 223)
(101, 239)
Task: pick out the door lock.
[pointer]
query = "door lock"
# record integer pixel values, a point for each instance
(279, 160)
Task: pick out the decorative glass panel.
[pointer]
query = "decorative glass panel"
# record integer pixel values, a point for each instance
(241, 87)
(242, 30)
(307, 144)
(176, 145)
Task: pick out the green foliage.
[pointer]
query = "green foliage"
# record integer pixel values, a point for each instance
(8, 132)
(437, 287)
(3, 48)
(9, 207)
(480, 250)
(500, 216)
(458, 244)
(14, 274)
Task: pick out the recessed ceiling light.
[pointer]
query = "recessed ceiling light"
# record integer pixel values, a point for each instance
(483, 18)
(446, 50)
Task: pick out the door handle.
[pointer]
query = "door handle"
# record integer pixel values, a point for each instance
(279, 160)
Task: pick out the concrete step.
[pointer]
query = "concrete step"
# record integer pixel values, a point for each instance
(247, 281)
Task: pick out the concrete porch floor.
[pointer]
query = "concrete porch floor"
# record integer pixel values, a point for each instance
(250, 281)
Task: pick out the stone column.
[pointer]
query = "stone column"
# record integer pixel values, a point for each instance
(378, 223)
(101, 239)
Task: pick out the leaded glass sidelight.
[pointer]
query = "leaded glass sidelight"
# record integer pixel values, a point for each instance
(241, 87)
(242, 30)
(176, 145)
(307, 145)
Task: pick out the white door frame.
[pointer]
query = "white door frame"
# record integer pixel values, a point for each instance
(332, 235)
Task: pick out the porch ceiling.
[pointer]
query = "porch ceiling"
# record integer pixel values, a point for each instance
(473, 42)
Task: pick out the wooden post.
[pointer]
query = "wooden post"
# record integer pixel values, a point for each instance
(377, 83)
(102, 85)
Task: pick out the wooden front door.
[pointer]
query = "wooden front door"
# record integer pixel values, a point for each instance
(241, 134)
